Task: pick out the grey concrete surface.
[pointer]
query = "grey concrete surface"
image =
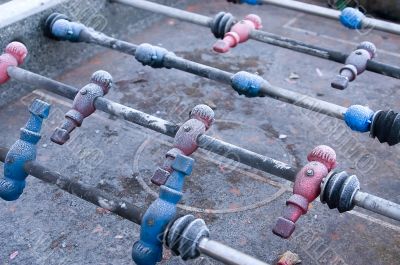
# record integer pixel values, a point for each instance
(240, 205)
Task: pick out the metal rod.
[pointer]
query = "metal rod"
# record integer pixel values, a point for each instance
(92, 36)
(212, 73)
(305, 8)
(219, 147)
(136, 116)
(328, 54)
(216, 146)
(377, 205)
(297, 46)
(381, 25)
(225, 254)
(81, 190)
(241, 155)
(172, 61)
(120, 207)
(167, 11)
(333, 14)
(303, 101)
(263, 36)
(40, 81)
(247, 157)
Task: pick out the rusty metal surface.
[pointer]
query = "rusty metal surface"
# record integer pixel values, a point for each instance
(239, 204)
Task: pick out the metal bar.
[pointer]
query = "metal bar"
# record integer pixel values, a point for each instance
(333, 14)
(305, 8)
(241, 155)
(377, 205)
(124, 209)
(381, 25)
(92, 36)
(40, 81)
(328, 54)
(247, 157)
(297, 46)
(81, 190)
(137, 117)
(219, 147)
(212, 73)
(172, 61)
(226, 254)
(167, 11)
(266, 37)
(303, 101)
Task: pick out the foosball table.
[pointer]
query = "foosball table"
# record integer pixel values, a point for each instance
(191, 132)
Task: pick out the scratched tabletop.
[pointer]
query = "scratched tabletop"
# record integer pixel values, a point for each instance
(239, 204)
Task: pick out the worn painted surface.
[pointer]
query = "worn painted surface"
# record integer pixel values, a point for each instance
(24, 149)
(351, 18)
(356, 64)
(306, 188)
(83, 105)
(240, 207)
(14, 55)
(149, 249)
(201, 118)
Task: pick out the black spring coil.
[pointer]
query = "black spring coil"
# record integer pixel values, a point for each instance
(221, 24)
(386, 127)
(340, 190)
(184, 235)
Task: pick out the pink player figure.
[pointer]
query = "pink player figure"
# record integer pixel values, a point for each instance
(185, 142)
(239, 33)
(14, 55)
(83, 105)
(307, 187)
